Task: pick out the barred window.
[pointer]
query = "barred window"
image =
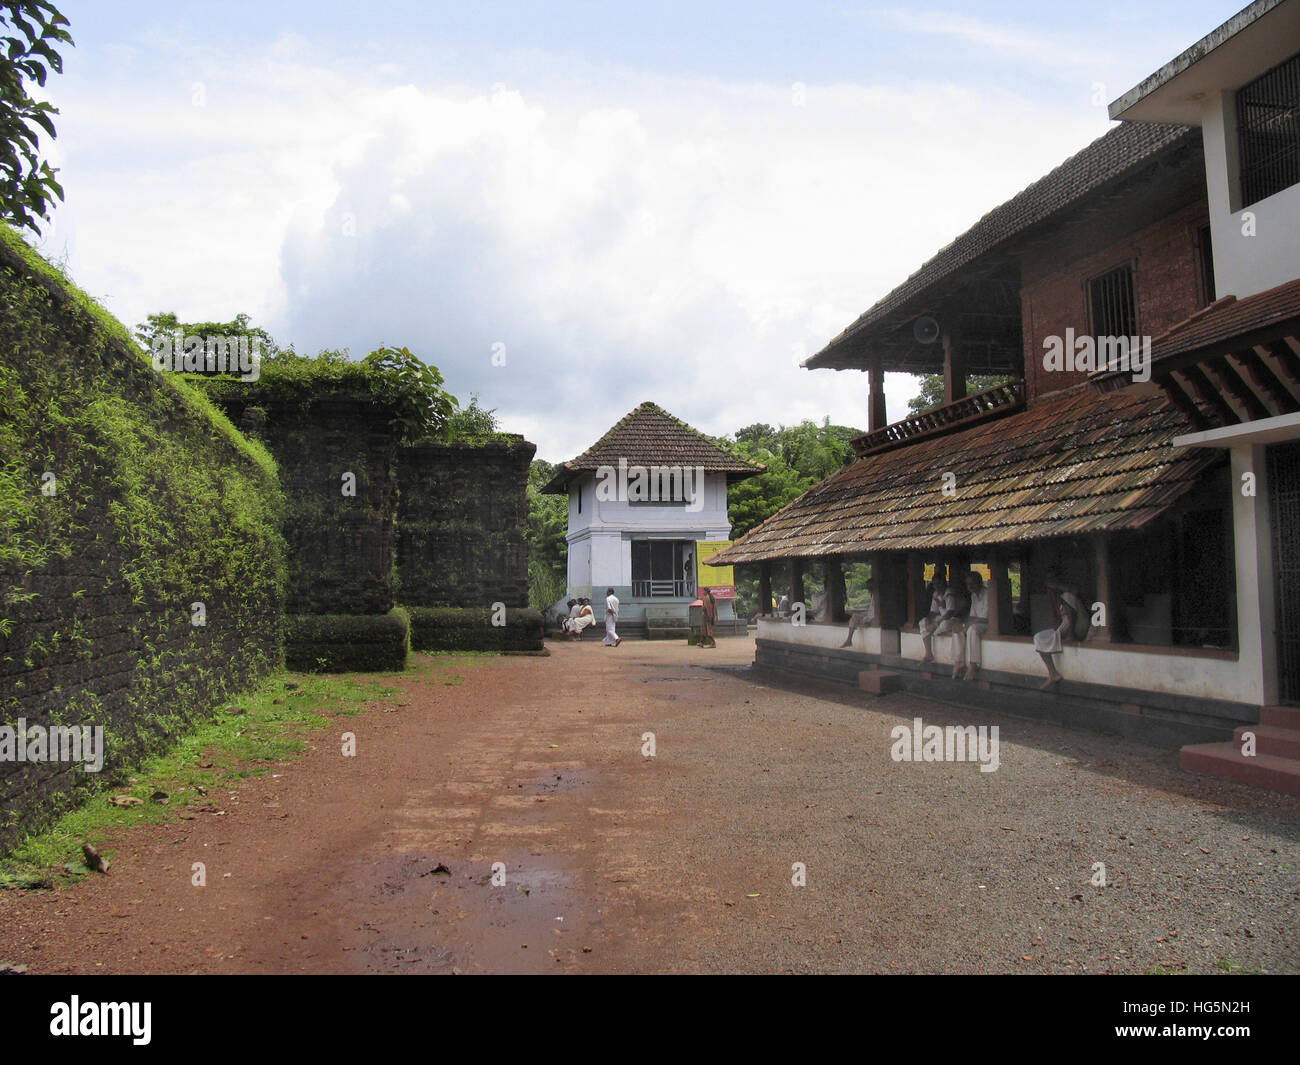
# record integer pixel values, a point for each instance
(1111, 301)
(1268, 132)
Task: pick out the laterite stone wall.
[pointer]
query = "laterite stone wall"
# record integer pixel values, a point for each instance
(125, 499)
(464, 515)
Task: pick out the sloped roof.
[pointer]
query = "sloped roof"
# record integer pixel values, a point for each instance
(1078, 462)
(650, 436)
(1105, 161)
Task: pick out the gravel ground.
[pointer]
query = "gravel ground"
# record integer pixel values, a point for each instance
(614, 862)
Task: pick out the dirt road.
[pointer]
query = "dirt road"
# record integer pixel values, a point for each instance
(611, 861)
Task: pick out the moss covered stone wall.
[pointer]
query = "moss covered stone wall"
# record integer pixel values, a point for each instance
(142, 566)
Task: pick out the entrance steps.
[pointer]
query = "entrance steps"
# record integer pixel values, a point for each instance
(1274, 765)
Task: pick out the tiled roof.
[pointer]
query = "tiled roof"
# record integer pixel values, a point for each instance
(1229, 318)
(1077, 462)
(650, 436)
(1106, 160)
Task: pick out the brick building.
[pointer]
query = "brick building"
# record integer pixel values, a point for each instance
(1089, 471)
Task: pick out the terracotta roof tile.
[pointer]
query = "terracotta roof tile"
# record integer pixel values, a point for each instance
(650, 436)
(1077, 462)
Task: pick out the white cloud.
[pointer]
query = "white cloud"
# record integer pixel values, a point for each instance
(681, 240)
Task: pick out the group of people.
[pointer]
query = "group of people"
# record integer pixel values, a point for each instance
(965, 617)
(581, 616)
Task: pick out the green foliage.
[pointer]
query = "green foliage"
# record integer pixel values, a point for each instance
(414, 388)
(167, 324)
(931, 394)
(797, 457)
(437, 628)
(393, 376)
(263, 725)
(473, 424)
(341, 643)
(548, 523)
(28, 188)
(158, 503)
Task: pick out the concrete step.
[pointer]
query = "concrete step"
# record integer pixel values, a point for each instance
(1225, 760)
(1281, 716)
(1269, 739)
(880, 681)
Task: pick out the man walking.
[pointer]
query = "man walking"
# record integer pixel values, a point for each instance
(612, 638)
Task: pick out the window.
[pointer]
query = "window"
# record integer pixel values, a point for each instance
(663, 568)
(1111, 303)
(1205, 263)
(1268, 132)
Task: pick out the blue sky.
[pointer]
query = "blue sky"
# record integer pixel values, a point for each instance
(674, 202)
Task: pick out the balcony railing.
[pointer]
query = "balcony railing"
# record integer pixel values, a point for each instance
(662, 589)
(992, 402)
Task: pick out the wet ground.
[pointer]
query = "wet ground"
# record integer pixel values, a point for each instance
(510, 822)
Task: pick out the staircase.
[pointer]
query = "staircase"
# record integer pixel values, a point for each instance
(1275, 764)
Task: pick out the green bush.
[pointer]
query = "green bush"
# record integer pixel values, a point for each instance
(448, 628)
(347, 643)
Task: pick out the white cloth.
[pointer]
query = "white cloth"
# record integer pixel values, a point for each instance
(967, 641)
(611, 616)
(1049, 641)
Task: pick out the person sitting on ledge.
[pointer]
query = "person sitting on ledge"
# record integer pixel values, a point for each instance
(1069, 614)
(947, 608)
(859, 619)
(967, 636)
(586, 616)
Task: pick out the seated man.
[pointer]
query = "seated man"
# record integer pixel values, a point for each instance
(967, 637)
(585, 617)
(947, 610)
(859, 619)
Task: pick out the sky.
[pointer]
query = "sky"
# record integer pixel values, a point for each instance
(570, 208)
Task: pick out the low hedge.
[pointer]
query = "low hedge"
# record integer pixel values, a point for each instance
(347, 643)
(453, 628)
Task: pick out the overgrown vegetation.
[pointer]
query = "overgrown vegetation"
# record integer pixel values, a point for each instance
(195, 777)
(125, 499)
(32, 30)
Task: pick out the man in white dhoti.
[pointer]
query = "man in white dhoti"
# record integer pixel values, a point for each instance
(1069, 613)
(585, 617)
(612, 638)
(947, 605)
(967, 637)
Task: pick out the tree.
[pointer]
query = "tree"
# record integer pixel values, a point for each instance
(548, 524)
(166, 323)
(28, 187)
(931, 394)
(472, 423)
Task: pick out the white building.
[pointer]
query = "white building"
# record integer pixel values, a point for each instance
(647, 507)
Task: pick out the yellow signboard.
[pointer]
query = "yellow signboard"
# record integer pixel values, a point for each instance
(712, 576)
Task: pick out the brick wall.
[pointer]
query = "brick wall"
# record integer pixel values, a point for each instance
(1055, 274)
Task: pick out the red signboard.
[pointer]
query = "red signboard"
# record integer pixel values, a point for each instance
(722, 591)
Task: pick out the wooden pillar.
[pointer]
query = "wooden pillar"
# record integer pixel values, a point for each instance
(954, 366)
(796, 584)
(1101, 565)
(890, 587)
(765, 589)
(835, 590)
(1000, 606)
(876, 399)
(916, 607)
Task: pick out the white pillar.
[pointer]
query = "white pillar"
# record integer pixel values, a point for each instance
(1253, 552)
